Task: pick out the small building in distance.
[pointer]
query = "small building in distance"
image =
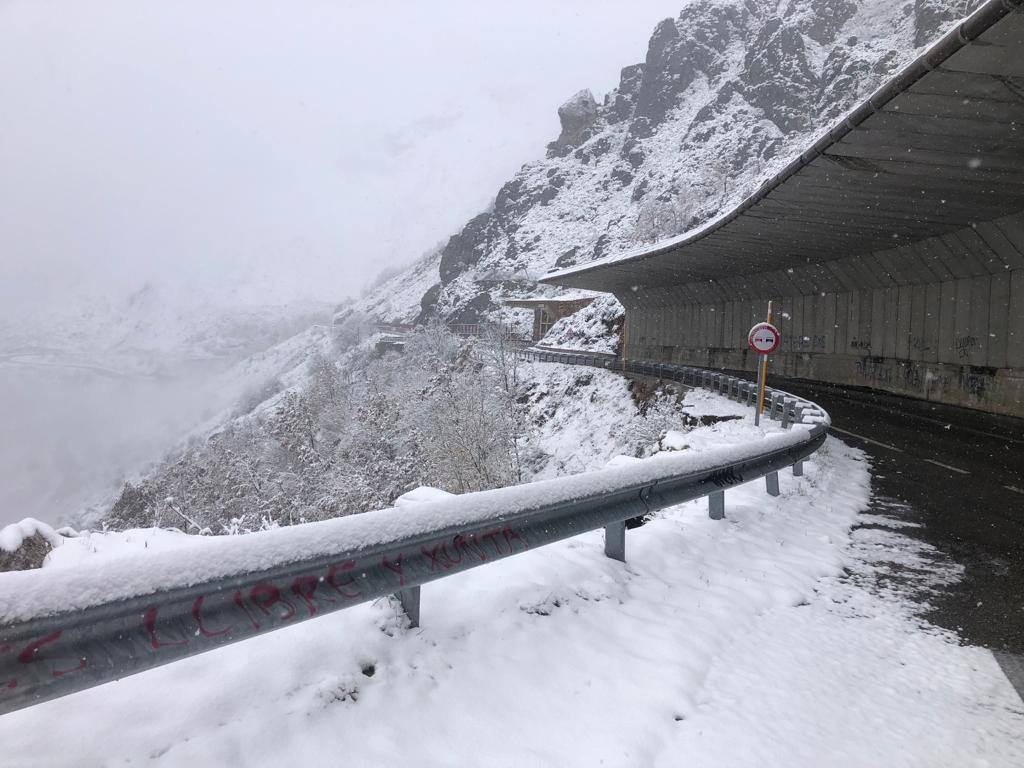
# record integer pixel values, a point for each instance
(548, 310)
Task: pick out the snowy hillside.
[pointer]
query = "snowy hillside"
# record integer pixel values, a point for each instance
(729, 92)
(330, 432)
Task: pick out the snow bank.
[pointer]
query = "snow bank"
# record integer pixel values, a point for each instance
(735, 643)
(587, 416)
(101, 546)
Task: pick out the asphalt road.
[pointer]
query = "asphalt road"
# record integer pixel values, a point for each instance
(958, 474)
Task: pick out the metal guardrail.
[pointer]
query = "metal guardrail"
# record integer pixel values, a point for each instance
(56, 651)
(779, 405)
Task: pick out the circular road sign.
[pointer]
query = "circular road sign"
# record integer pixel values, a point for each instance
(764, 338)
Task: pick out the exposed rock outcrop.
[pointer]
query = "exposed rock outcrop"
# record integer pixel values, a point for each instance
(728, 92)
(26, 544)
(577, 116)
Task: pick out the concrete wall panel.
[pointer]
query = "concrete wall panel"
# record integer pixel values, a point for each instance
(827, 322)
(1012, 228)
(932, 314)
(962, 322)
(855, 342)
(795, 320)
(978, 343)
(1015, 321)
(1000, 244)
(876, 321)
(979, 251)
(842, 343)
(889, 327)
(704, 326)
(998, 319)
(932, 252)
(947, 322)
(903, 321)
(916, 343)
(949, 255)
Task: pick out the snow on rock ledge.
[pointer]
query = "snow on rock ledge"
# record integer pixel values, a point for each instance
(26, 544)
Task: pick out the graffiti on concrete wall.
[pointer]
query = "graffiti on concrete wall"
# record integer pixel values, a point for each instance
(804, 343)
(973, 381)
(918, 343)
(884, 372)
(976, 381)
(965, 346)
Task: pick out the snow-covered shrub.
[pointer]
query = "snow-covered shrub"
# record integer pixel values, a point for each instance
(258, 394)
(659, 219)
(354, 437)
(351, 328)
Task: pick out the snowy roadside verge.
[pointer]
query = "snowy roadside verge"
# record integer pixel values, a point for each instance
(29, 594)
(732, 643)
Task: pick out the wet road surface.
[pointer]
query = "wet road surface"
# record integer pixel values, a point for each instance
(959, 475)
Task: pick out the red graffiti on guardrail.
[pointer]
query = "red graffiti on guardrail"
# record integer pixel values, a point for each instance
(266, 600)
(441, 558)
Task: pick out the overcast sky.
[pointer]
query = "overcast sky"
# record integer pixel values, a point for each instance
(300, 145)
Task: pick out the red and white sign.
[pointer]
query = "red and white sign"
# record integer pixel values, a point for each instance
(764, 338)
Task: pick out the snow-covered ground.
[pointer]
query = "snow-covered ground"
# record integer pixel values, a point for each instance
(595, 328)
(587, 416)
(760, 640)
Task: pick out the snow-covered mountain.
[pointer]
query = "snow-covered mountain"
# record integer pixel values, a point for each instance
(729, 92)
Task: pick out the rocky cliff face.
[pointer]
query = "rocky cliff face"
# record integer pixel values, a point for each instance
(729, 92)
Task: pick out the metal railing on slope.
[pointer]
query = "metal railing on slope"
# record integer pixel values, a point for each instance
(779, 405)
(64, 630)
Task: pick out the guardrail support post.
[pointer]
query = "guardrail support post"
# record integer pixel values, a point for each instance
(798, 469)
(615, 541)
(771, 482)
(787, 411)
(716, 505)
(410, 601)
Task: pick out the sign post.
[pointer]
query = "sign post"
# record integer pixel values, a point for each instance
(764, 339)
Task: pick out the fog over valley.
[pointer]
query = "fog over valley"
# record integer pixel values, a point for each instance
(185, 185)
